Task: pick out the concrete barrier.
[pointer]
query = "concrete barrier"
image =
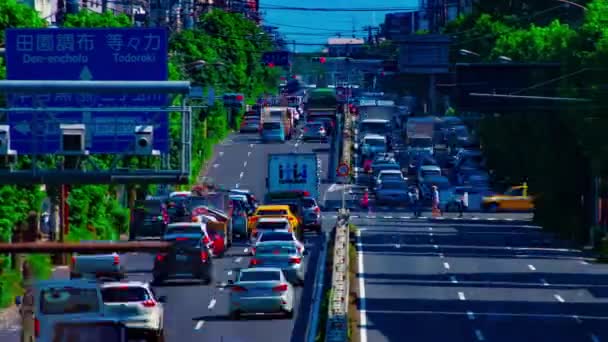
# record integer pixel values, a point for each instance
(337, 316)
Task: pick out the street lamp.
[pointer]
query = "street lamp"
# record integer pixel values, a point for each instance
(196, 65)
(504, 59)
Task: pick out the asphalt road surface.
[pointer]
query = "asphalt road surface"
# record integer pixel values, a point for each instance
(194, 312)
(475, 280)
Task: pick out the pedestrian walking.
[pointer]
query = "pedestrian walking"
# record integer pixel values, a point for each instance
(435, 201)
(464, 203)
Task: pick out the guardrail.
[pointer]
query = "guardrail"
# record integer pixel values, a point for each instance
(337, 316)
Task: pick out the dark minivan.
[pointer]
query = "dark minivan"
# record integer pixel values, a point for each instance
(188, 258)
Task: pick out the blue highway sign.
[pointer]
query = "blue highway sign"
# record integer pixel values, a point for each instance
(114, 54)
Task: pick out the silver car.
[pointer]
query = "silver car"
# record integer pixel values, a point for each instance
(261, 290)
(281, 254)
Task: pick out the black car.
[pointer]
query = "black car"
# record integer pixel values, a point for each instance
(149, 218)
(178, 209)
(188, 258)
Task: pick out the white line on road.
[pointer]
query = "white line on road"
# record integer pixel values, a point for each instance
(237, 260)
(430, 228)
(296, 145)
(246, 250)
(406, 217)
(559, 298)
(532, 268)
(388, 217)
(251, 145)
(199, 325)
(446, 265)
(229, 273)
(441, 255)
(236, 185)
(241, 175)
(453, 280)
(479, 335)
(544, 282)
(430, 234)
(212, 303)
(362, 304)
(249, 154)
(245, 164)
(577, 319)
(215, 166)
(471, 315)
(397, 246)
(594, 338)
(221, 154)
(583, 262)
(435, 246)
(461, 296)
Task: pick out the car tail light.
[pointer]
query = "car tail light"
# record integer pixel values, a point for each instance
(317, 210)
(36, 327)
(161, 256)
(116, 260)
(296, 261)
(204, 256)
(255, 262)
(305, 129)
(181, 239)
(238, 289)
(195, 219)
(253, 250)
(253, 220)
(280, 288)
(73, 260)
(149, 303)
(206, 240)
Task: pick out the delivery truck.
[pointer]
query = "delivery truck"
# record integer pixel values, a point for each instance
(294, 172)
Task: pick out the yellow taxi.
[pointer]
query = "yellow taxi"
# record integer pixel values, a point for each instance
(516, 198)
(274, 210)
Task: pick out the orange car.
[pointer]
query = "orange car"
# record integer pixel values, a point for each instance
(516, 198)
(274, 211)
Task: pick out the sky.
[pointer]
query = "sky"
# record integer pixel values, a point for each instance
(312, 27)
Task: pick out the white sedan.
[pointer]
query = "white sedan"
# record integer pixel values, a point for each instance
(271, 236)
(136, 305)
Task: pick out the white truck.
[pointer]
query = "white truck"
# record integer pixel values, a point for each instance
(419, 134)
(294, 172)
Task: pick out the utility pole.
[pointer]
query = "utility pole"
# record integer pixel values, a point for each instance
(104, 6)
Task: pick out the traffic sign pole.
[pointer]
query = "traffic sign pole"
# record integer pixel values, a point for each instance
(342, 171)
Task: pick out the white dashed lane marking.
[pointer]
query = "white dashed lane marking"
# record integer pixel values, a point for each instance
(241, 175)
(471, 315)
(453, 280)
(461, 296)
(237, 260)
(245, 164)
(199, 325)
(215, 166)
(229, 273)
(221, 154)
(544, 282)
(479, 335)
(532, 268)
(212, 303)
(559, 298)
(446, 265)
(249, 154)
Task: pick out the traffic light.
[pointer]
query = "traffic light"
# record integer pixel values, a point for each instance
(234, 100)
(321, 60)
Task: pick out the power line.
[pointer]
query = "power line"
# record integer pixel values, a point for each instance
(335, 9)
(308, 27)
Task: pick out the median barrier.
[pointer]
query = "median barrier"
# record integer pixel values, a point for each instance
(337, 316)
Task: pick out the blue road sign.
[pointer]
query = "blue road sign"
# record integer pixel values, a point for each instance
(278, 58)
(115, 54)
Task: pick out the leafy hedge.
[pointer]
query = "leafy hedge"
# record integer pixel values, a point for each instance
(95, 212)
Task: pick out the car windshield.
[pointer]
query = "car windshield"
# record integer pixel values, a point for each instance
(276, 113)
(426, 173)
(69, 301)
(390, 177)
(374, 127)
(272, 225)
(393, 186)
(183, 229)
(124, 294)
(277, 250)
(375, 142)
(314, 126)
(387, 167)
(272, 125)
(276, 236)
(268, 212)
(309, 203)
(186, 242)
(89, 332)
(260, 276)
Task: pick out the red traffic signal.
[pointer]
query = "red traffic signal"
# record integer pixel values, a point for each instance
(322, 60)
(294, 76)
(240, 97)
(271, 65)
